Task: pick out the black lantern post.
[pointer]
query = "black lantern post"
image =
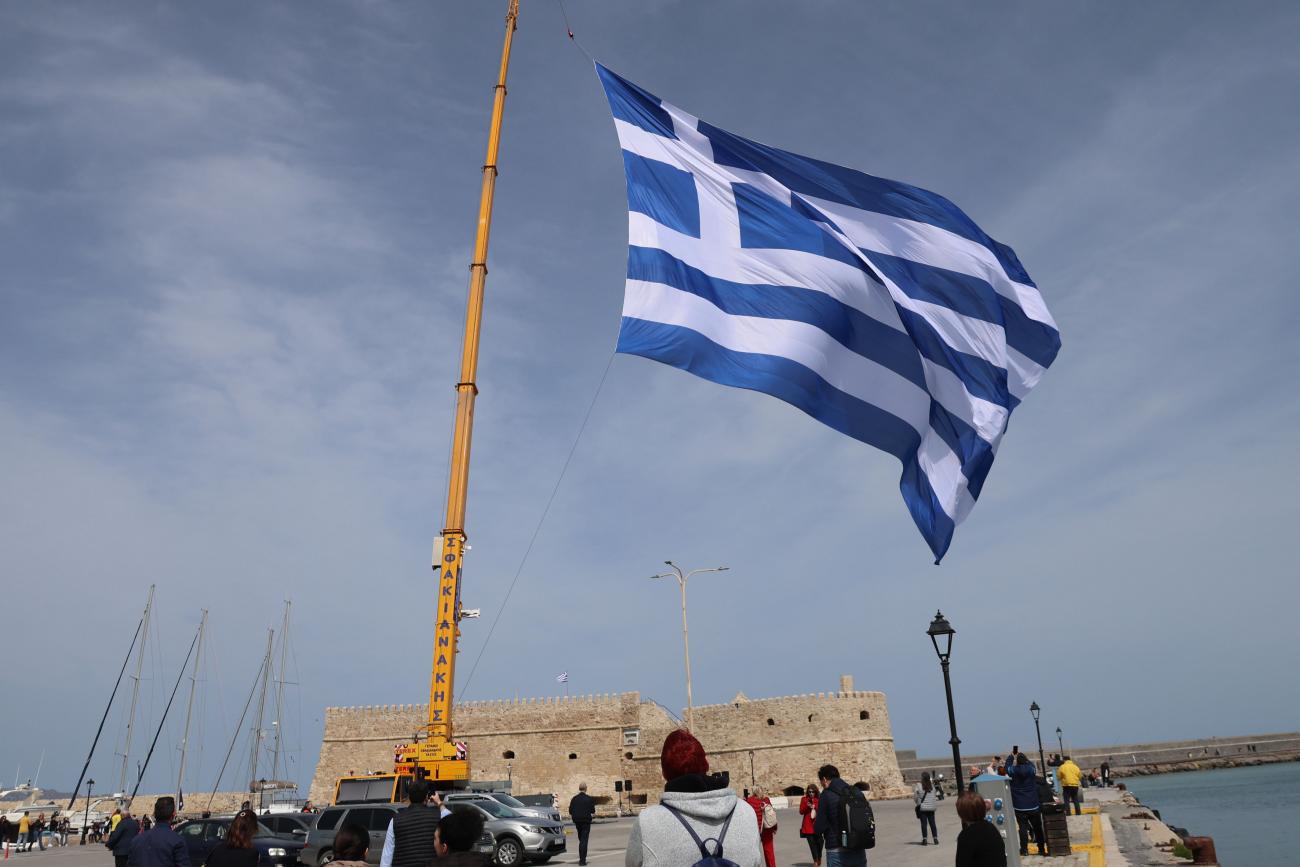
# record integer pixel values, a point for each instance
(940, 628)
(85, 821)
(1060, 743)
(1042, 759)
(261, 796)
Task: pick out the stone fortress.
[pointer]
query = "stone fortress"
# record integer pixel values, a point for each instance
(553, 744)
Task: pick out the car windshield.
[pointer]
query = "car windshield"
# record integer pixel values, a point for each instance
(499, 811)
(263, 831)
(509, 801)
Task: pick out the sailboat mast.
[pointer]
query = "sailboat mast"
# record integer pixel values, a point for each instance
(135, 689)
(278, 722)
(438, 757)
(256, 734)
(189, 710)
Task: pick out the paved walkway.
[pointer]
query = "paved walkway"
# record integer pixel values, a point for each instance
(897, 834)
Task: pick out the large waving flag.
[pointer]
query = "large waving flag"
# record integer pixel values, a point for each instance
(876, 307)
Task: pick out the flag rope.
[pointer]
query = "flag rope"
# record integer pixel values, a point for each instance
(546, 510)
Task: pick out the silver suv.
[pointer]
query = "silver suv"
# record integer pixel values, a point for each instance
(520, 837)
(374, 818)
(513, 803)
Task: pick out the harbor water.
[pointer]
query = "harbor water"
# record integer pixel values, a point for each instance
(1253, 814)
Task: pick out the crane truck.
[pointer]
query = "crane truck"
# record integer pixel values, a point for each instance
(433, 754)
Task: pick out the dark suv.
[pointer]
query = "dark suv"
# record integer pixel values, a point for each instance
(201, 836)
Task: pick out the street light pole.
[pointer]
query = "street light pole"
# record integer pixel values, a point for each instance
(941, 628)
(1042, 759)
(85, 821)
(682, 578)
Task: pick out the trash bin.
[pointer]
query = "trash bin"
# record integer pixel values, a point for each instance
(1055, 829)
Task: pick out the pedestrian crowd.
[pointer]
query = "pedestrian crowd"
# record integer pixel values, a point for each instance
(37, 832)
(699, 818)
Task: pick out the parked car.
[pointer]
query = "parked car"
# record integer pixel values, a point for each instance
(201, 836)
(374, 818)
(294, 825)
(519, 838)
(546, 811)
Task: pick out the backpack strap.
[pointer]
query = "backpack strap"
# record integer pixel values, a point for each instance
(722, 832)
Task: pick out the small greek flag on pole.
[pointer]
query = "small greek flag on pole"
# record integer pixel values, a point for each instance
(562, 677)
(878, 308)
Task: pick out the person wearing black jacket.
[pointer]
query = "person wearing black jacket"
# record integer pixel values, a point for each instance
(160, 846)
(979, 844)
(119, 842)
(834, 790)
(582, 809)
(237, 849)
(455, 836)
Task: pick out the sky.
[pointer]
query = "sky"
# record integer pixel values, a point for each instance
(235, 242)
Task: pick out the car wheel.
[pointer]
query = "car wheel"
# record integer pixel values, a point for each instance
(510, 852)
(325, 857)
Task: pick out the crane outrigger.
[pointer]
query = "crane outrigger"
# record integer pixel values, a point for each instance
(434, 755)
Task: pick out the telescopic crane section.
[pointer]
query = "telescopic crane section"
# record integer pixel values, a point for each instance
(436, 756)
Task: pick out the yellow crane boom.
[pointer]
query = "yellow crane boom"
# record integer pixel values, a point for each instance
(435, 756)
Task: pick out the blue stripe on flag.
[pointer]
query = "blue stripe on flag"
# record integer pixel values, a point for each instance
(852, 328)
(635, 105)
(825, 180)
(800, 387)
(664, 193)
(1035, 340)
(766, 223)
(982, 379)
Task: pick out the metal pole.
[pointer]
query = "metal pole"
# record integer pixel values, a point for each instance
(86, 819)
(1060, 744)
(189, 710)
(686, 651)
(279, 694)
(952, 727)
(135, 689)
(256, 735)
(1042, 758)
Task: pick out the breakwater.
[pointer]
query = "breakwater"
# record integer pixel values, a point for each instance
(1127, 760)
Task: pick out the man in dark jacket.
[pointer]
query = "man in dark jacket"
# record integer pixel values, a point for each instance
(119, 842)
(582, 809)
(834, 791)
(1024, 799)
(455, 836)
(160, 846)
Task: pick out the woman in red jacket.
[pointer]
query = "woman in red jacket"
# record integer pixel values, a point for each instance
(808, 809)
(766, 823)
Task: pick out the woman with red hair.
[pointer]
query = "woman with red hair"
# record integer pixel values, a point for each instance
(696, 817)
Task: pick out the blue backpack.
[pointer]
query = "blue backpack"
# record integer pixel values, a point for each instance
(707, 860)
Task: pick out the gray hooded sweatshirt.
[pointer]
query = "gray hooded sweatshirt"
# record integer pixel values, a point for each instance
(659, 840)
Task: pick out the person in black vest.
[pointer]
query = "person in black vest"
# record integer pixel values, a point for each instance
(409, 842)
(119, 842)
(582, 809)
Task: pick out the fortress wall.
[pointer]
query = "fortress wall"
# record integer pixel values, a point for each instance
(553, 744)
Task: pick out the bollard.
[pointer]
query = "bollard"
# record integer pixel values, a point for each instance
(1202, 850)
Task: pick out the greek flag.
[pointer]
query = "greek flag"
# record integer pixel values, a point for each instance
(878, 308)
(562, 677)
